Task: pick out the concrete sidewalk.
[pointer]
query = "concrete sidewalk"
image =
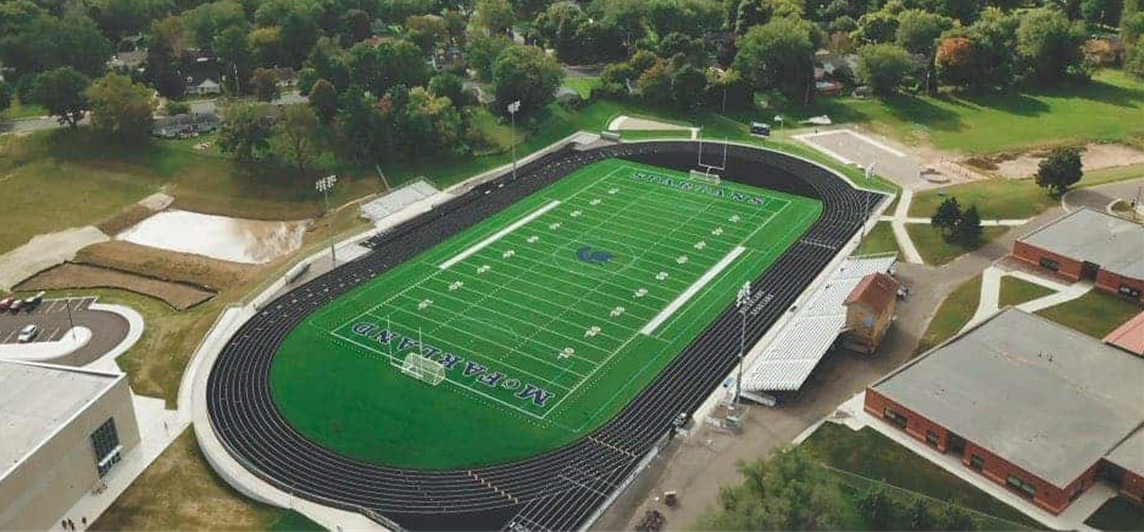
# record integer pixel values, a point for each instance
(988, 304)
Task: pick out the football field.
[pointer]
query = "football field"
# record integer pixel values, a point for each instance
(539, 323)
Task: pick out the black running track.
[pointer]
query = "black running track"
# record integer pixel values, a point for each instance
(557, 490)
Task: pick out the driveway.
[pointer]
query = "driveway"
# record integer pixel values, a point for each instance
(1099, 197)
(51, 316)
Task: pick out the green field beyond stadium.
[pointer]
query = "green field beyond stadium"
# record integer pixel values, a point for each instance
(543, 320)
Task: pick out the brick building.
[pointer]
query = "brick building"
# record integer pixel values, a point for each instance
(1032, 405)
(1090, 245)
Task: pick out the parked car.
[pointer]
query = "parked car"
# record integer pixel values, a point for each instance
(34, 300)
(6, 303)
(28, 333)
(761, 129)
(16, 304)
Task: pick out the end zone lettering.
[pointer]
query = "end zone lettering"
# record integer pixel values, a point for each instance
(525, 391)
(683, 184)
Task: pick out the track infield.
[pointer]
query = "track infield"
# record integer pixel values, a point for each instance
(547, 318)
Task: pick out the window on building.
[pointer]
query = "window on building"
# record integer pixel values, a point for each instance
(1021, 487)
(1129, 291)
(1050, 264)
(105, 443)
(895, 418)
(931, 438)
(976, 462)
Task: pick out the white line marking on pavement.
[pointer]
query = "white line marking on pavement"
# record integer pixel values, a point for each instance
(692, 290)
(499, 234)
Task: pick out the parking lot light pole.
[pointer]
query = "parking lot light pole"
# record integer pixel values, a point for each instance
(741, 300)
(512, 109)
(324, 185)
(71, 324)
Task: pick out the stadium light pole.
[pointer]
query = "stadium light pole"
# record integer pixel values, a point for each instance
(512, 109)
(741, 300)
(324, 185)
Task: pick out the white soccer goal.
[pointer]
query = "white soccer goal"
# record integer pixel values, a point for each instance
(423, 369)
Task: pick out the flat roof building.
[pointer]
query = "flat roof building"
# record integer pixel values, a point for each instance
(1032, 405)
(1090, 245)
(64, 430)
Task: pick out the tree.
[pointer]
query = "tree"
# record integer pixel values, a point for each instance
(493, 17)
(1049, 44)
(61, 91)
(245, 132)
(1134, 62)
(1101, 12)
(918, 514)
(235, 57)
(954, 62)
(323, 98)
(6, 93)
(450, 86)
(918, 31)
(121, 107)
(264, 84)
(525, 74)
(300, 31)
(50, 42)
(994, 38)
(883, 66)
(968, 228)
(210, 19)
(779, 54)
(429, 122)
(1060, 170)
(947, 215)
(15, 15)
(953, 518)
(119, 18)
(482, 52)
(655, 83)
(162, 63)
(877, 508)
(297, 128)
(752, 13)
(1132, 21)
(879, 26)
(357, 26)
(173, 108)
(687, 85)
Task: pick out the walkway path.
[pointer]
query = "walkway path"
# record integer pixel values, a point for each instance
(898, 224)
(989, 302)
(1101, 197)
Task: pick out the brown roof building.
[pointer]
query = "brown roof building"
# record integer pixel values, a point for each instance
(869, 312)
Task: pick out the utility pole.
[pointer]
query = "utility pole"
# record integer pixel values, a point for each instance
(324, 185)
(67, 305)
(512, 109)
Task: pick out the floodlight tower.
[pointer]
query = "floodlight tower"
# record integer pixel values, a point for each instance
(512, 109)
(324, 185)
(741, 300)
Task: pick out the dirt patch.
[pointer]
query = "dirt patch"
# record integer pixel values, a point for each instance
(70, 275)
(210, 274)
(1024, 165)
(124, 219)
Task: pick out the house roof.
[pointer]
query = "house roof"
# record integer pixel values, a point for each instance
(1042, 396)
(876, 291)
(1129, 336)
(1116, 244)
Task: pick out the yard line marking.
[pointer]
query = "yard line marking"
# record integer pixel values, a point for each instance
(692, 290)
(499, 234)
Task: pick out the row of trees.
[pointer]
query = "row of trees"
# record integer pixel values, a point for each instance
(792, 491)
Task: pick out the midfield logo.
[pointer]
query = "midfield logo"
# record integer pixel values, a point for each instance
(593, 256)
(458, 366)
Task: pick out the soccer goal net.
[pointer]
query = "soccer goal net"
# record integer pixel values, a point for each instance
(705, 176)
(423, 369)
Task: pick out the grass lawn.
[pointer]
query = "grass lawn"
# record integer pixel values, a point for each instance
(1095, 313)
(1012, 198)
(653, 134)
(545, 332)
(1117, 514)
(934, 248)
(878, 240)
(1015, 291)
(952, 315)
(18, 111)
(1109, 108)
(583, 85)
(869, 454)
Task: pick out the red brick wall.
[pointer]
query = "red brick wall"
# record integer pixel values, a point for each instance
(1048, 497)
(1110, 282)
(1133, 487)
(917, 426)
(1070, 269)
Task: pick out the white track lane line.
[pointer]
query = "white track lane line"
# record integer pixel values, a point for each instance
(499, 234)
(692, 290)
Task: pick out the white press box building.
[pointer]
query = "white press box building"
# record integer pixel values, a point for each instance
(62, 431)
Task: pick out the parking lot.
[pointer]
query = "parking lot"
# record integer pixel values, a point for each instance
(51, 316)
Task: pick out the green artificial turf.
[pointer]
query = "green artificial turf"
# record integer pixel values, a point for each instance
(555, 318)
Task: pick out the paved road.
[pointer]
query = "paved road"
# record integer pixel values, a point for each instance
(1099, 197)
(107, 328)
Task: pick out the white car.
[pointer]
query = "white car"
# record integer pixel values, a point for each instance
(28, 333)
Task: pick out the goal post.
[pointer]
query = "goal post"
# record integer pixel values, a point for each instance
(707, 176)
(423, 369)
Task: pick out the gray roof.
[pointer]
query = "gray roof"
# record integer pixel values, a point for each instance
(37, 399)
(1114, 243)
(1130, 453)
(1040, 395)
